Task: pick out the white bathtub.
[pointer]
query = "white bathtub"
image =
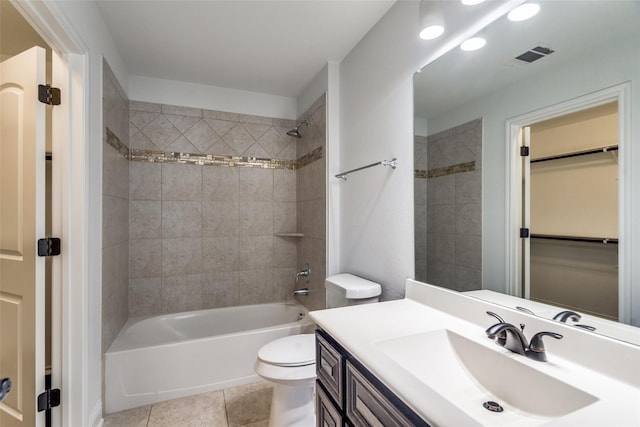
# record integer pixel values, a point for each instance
(164, 357)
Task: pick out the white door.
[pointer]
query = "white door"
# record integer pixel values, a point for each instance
(22, 220)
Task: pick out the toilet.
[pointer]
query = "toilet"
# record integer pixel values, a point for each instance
(290, 362)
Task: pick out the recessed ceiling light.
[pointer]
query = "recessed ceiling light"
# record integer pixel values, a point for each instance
(474, 43)
(471, 2)
(524, 12)
(431, 32)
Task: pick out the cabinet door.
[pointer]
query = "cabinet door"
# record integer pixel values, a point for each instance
(329, 364)
(366, 406)
(326, 414)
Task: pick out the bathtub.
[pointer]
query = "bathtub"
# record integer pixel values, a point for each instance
(164, 357)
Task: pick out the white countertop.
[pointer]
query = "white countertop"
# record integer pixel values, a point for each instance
(360, 329)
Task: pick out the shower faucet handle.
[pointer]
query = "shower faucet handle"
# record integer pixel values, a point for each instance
(306, 273)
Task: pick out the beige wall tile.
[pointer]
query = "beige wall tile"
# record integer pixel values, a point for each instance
(256, 218)
(115, 173)
(255, 252)
(220, 218)
(115, 220)
(145, 296)
(284, 217)
(181, 219)
(181, 182)
(221, 289)
(284, 185)
(181, 256)
(220, 115)
(161, 132)
(220, 254)
(145, 181)
(145, 219)
(145, 258)
(238, 139)
(181, 111)
(182, 293)
(220, 183)
(257, 286)
(201, 136)
(256, 184)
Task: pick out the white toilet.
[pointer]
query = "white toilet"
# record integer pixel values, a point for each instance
(290, 362)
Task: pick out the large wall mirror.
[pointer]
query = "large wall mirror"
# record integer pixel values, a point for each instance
(565, 85)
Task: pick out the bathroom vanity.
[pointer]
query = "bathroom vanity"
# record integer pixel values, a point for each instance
(426, 360)
(348, 393)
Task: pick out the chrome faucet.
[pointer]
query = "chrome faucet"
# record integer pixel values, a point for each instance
(513, 339)
(301, 292)
(306, 273)
(563, 316)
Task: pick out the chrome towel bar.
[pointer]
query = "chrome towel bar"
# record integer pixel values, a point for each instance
(393, 163)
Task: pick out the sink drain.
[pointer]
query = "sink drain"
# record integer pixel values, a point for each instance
(492, 406)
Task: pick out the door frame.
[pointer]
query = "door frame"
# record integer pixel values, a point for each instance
(69, 315)
(621, 94)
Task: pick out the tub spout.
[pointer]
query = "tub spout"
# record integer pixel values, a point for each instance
(301, 292)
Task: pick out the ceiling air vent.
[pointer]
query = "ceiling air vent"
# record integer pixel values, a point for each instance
(534, 54)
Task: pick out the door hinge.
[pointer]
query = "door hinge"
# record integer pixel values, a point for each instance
(49, 246)
(524, 151)
(48, 95)
(49, 399)
(524, 232)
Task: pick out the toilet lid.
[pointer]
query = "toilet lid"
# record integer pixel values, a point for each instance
(295, 350)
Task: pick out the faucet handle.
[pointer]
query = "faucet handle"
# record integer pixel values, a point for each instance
(567, 314)
(536, 349)
(498, 318)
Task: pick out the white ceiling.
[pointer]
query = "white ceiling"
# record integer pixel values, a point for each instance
(573, 29)
(266, 46)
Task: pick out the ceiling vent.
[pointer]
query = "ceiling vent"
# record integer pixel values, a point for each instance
(534, 54)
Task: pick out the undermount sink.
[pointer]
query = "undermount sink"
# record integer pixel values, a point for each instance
(468, 374)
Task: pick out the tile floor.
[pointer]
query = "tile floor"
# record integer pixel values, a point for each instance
(241, 406)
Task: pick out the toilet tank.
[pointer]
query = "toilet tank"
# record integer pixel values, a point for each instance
(346, 289)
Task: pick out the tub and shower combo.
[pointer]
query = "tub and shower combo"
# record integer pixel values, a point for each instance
(165, 357)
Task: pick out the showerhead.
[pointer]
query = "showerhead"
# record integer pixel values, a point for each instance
(295, 132)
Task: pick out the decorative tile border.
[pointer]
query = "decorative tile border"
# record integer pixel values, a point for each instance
(447, 170)
(114, 141)
(153, 156)
(309, 158)
(210, 160)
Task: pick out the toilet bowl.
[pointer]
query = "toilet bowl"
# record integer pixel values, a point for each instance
(290, 363)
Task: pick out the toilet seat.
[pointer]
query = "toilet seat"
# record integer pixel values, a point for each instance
(291, 351)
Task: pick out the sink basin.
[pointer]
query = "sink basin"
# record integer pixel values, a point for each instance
(469, 374)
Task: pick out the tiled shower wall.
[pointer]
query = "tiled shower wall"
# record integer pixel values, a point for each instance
(203, 236)
(453, 209)
(311, 205)
(115, 208)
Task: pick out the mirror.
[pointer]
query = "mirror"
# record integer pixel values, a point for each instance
(464, 102)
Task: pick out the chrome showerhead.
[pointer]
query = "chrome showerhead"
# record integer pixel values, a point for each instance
(295, 132)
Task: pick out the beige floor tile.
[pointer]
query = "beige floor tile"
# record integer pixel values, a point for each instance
(202, 410)
(263, 423)
(136, 417)
(248, 403)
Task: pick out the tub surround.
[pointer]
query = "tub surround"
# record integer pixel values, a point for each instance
(115, 207)
(598, 366)
(165, 357)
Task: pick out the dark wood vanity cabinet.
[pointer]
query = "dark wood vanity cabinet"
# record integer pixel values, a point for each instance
(347, 394)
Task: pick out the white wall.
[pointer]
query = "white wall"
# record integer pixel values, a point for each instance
(195, 95)
(85, 19)
(376, 123)
(607, 67)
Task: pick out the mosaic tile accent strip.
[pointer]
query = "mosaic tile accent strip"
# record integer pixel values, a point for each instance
(210, 160)
(447, 170)
(114, 141)
(309, 158)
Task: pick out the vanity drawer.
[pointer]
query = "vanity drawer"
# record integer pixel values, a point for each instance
(367, 406)
(327, 414)
(329, 368)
